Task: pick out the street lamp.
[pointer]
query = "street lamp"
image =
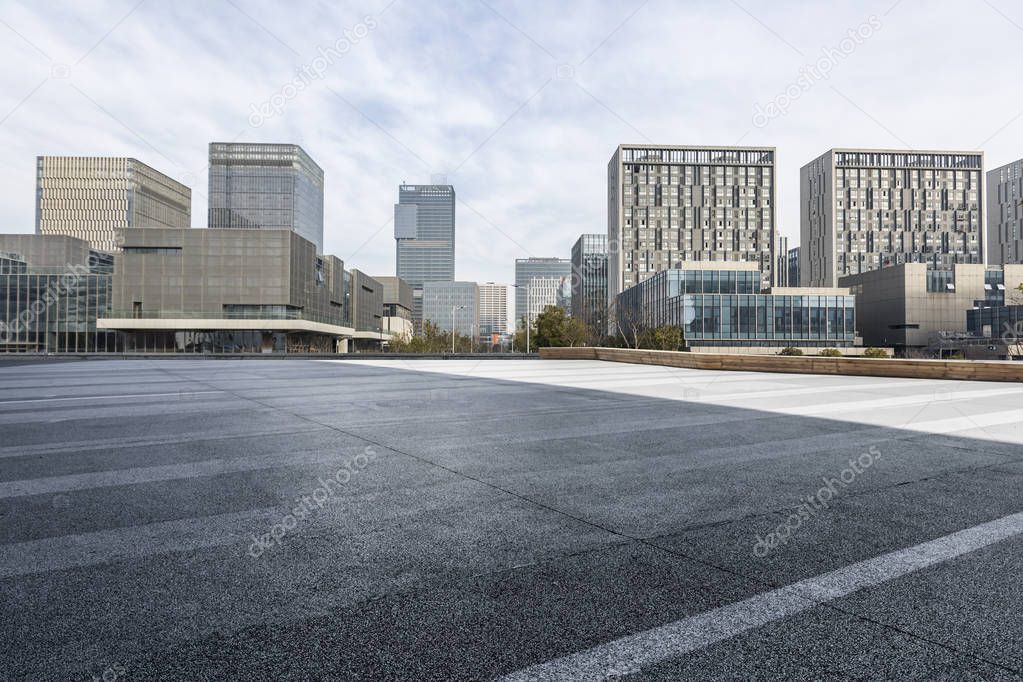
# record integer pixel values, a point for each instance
(453, 309)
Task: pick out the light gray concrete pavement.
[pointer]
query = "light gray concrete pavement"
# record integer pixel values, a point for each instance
(304, 519)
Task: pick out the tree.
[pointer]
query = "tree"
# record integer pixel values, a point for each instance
(576, 333)
(550, 327)
(668, 338)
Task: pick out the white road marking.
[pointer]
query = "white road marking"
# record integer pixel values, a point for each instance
(98, 397)
(632, 652)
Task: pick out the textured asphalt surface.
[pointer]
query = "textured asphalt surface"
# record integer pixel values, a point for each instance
(421, 520)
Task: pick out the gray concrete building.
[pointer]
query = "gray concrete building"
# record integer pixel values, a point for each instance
(865, 209)
(1005, 214)
(453, 305)
(367, 302)
(397, 299)
(668, 204)
(914, 306)
(53, 289)
(267, 187)
(589, 282)
(541, 282)
(227, 290)
(424, 233)
(95, 197)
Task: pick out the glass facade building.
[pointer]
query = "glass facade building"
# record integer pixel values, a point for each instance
(448, 304)
(92, 198)
(266, 187)
(1003, 322)
(424, 233)
(541, 282)
(52, 291)
(731, 308)
(589, 282)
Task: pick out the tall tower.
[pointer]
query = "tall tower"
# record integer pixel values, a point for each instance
(267, 187)
(669, 204)
(424, 232)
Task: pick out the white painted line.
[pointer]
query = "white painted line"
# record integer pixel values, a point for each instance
(99, 397)
(630, 653)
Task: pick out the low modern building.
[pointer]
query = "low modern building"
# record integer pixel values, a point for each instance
(1005, 214)
(227, 290)
(453, 305)
(913, 306)
(589, 282)
(53, 288)
(95, 197)
(366, 296)
(724, 305)
(540, 282)
(397, 313)
(493, 313)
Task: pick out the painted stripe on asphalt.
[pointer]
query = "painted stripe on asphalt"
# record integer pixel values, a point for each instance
(100, 397)
(629, 654)
(172, 472)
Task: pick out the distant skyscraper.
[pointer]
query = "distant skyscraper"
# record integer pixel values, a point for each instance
(91, 197)
(864, 209)
(267, 187)
(1005, 214)
(493, 309)
(445, 303)
(424, 231)
(548, 281)
(793, 273)
(781, 262)
(670, 204)
(589, 281)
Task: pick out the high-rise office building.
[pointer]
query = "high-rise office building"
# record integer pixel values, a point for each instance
(493, 309)
(541, 282)
(589, 282)
(92, 197)
(1005, 214)
(266, 187)
(864, 209)
(781, 262)
(424, 232)
(793, 267)
(456, 304)
(671, 204)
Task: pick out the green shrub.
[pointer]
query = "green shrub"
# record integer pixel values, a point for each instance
(789, 350)
(874, 353)
(830, 353)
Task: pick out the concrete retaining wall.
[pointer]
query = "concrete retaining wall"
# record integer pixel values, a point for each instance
(918, 369)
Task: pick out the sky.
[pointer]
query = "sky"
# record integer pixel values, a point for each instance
(520, 104)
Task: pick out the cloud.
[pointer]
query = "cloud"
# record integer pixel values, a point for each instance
(520, 104)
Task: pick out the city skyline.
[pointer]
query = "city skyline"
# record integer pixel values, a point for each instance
(494, 126)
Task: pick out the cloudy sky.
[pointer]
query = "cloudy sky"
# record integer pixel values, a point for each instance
(520, 104)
